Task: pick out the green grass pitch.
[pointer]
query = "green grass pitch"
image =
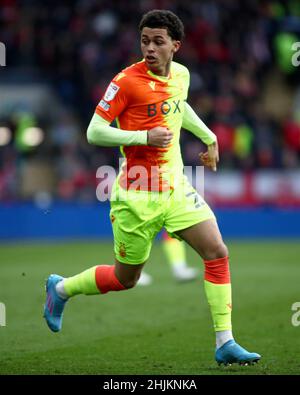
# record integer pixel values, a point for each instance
(164, 328)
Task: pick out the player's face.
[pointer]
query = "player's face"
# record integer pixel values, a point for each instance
(158, 49)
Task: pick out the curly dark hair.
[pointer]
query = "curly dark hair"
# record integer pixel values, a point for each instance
(163, 19)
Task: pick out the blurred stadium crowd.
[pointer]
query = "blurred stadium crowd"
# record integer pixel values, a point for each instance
(243, 84)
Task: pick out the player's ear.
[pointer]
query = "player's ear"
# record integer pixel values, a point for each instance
(176, 45)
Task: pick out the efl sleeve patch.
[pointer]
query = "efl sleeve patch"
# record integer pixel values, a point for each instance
(111, 91)
(113, 102)
(104, 105)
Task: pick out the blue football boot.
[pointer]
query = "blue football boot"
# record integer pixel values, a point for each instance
(231, 352)
(54, 306)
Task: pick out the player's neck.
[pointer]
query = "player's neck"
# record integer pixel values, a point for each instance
(162, 71)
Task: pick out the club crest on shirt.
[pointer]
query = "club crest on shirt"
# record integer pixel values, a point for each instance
(111, 91)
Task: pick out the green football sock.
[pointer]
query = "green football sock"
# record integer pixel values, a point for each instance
(82, 283)
(219, 300)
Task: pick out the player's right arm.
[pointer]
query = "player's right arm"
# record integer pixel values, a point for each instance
(115, 100)
(101, 133)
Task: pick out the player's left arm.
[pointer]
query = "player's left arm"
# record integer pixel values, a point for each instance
(194, 124)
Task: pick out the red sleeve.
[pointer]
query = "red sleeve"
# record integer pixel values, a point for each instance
(115, 99)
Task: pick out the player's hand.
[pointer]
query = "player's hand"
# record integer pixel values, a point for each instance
(211, 157)
(159, 137)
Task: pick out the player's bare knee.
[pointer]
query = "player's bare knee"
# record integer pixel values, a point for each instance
(216, 251)
(222, 251)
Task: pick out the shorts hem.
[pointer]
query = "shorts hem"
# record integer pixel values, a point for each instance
(123, 260)
(191, 224)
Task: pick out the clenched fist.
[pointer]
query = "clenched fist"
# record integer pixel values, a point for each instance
(159, 137)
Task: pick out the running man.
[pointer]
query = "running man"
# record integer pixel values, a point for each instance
(148, 101)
